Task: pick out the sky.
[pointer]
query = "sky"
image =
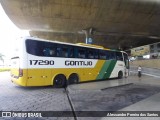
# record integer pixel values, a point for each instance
(8, 34)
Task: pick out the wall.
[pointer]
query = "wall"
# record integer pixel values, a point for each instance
(152, 63)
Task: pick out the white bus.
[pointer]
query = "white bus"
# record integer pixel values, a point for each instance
(42, 62)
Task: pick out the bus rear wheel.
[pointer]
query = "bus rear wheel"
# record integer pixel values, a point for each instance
(73, 79)
(120, 75)
(60, 81)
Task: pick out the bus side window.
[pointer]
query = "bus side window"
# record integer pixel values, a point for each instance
(102, 54)
(71, 52)
(49, 49)
(65, 51)
(75, 52)
(90, 54)
(96, 55)
(81, 53)
(46, 52)
(32, 45)
(52, 52)
(113, 55)
(119, 56)
(58, 51)
(110, 55)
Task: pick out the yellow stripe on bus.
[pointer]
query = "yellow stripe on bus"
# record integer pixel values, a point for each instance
(45, 76)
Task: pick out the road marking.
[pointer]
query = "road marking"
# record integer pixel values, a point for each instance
(147, 74)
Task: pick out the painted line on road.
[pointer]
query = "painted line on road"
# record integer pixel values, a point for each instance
(147, 74)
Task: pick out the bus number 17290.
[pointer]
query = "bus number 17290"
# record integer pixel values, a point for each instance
(41, 62)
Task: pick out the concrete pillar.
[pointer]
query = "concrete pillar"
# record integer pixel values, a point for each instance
(88, 33)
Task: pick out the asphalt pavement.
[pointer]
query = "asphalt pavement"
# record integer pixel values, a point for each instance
(82, 101)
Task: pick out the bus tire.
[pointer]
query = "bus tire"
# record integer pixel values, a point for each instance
(60, 81)
(120, 74)
(73, 79)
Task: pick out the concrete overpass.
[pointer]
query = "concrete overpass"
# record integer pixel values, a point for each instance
(115, 23)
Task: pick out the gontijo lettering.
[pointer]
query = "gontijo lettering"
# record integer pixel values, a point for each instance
(78, 63)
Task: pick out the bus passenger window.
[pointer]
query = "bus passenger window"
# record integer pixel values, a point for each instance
(49, 49)
(110, 55)
(31, 46)
(64, 52)
(90, 54)
(96, 54)
(119, 56)
(58, 52)
(52, 52)
(81, 53)
(102, 55)
(71, 53)
(46, 52)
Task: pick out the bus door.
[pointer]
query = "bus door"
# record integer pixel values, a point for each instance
(126, 61)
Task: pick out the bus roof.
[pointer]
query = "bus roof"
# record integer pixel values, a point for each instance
(90, 45)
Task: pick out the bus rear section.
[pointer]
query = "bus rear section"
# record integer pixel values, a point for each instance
(17, 73)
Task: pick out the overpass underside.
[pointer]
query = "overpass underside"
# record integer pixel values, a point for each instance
(115, 23)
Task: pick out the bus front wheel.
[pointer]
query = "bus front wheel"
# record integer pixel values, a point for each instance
(73, 79)
(120, 74)
(60, 81)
